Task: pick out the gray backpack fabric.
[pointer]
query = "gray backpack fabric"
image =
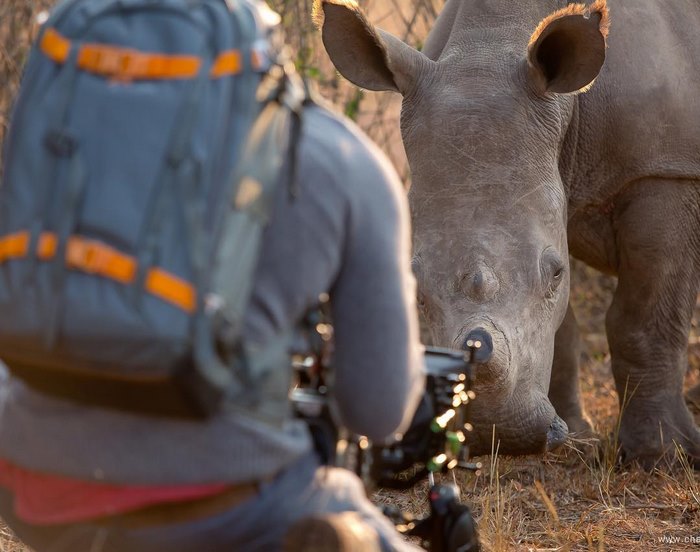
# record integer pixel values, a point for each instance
(139, 171)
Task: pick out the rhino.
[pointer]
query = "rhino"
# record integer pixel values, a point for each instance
(532, 134)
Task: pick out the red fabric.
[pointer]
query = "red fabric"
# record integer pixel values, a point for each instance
(43, 499)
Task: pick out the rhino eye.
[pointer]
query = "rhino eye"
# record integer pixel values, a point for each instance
(553, 271)
(555, 281)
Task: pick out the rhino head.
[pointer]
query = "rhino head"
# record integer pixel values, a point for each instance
(485, 118)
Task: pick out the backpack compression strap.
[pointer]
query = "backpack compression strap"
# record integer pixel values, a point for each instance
(244, 375)
(94, 257)
(128, 64)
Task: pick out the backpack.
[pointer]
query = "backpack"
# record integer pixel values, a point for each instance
(145, 146)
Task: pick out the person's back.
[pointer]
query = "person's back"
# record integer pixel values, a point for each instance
(345, 232)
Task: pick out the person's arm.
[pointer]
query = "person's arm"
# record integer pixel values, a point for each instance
(379, 372)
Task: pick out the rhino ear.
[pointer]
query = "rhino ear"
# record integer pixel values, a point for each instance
(363, 54)
(567, 50)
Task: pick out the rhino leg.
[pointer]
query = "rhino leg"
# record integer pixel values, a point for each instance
(656, 224)
(693, 396)
(564, 387)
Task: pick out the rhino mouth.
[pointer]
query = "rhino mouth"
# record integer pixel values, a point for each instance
(527, 431)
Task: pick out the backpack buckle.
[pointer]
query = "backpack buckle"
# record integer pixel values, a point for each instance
(87, 256)
(106, 61)
(116, 63)
(135, 65)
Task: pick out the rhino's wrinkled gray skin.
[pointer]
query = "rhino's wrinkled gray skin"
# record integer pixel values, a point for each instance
(515, 166)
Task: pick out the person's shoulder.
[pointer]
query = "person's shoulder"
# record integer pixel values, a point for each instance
(338, 147)
(322, 123)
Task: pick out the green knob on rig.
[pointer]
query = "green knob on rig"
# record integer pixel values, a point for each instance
(454, 441)
(440, 423)
(436, 463)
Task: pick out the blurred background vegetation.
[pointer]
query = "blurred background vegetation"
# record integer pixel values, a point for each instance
(16, 31)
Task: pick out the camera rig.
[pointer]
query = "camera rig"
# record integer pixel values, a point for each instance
(435, 443)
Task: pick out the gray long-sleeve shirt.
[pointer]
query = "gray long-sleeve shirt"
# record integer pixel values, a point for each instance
(346, 234)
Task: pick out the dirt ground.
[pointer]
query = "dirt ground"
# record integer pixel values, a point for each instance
(574, 499)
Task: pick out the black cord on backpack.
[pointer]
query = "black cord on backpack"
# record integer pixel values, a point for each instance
(295, 137)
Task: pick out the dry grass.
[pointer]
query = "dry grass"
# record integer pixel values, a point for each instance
(580, 500)
(8, 543)
(577, 499)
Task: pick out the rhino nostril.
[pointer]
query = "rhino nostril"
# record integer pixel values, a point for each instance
(480, 335)
(557, 434)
